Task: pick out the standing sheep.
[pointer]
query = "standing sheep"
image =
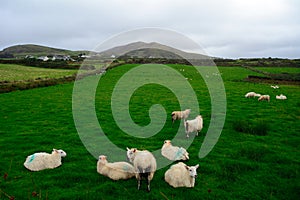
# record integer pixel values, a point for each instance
(144, 165)
(194, 125)
(181, 175)
(116, 170)
(174, 153)
(264, 97)
(177, 115)
(42, 160)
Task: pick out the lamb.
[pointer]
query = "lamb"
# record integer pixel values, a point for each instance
(40, 161)
(193, 125)
(264, 97)
(177, 115)
(172, 152)
(281, 97)
(252, 94)
(116, 170)
(144, 164)
(181, 175)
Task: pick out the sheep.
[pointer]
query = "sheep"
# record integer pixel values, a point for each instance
(252, 94)
(274, 86)
(40, 161)
(172, 152)
(177, 115)
(181, 175)
(281, 97)
(116, 170)
(264, 97)
(144, 164)
(193, 125)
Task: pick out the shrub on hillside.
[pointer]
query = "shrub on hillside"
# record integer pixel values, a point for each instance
(257, 128)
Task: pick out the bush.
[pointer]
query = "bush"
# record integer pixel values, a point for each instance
(258, 128)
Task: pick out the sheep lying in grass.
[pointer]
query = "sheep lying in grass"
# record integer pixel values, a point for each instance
(181, 175)
(264, 97)
(177, 115)
(116, 170)
(252, 94)
(144, 165)
(281, 97)
(42, 160)
(194, 125)
(174, 153)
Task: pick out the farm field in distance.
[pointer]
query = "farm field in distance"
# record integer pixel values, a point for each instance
(13, 72)
(242, 165)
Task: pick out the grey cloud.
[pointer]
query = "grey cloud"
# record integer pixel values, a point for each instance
(225, 28)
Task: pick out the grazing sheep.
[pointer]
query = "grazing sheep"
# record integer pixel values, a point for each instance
(252, 94)
(42, 160)
(257, 95)
(177, 115)
(281, 97)
(181, 175)
(194, 125)
(174, 153)
(274, 86)
(116, 170)
(144, 165)
(264, 97)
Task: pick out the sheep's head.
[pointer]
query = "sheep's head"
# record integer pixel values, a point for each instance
(188, 111)
(131, 153)
(192, 170)
(167, 142)
(60, 152)
(103, 158)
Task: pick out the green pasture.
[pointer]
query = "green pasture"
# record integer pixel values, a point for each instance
(242, 165)
(12, 72)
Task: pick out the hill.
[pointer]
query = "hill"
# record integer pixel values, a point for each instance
(152, 49)
(36, 50)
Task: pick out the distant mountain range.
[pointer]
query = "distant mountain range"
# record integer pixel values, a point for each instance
(136, 50)
(150, 50)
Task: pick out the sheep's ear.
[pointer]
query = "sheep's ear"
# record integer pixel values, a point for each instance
(187, 167)
(134, 150)
(127, 148)
(197, 166)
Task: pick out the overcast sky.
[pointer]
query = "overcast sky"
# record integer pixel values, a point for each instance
(224, 28)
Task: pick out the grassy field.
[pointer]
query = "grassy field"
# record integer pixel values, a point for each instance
(11, 72)
(242, 165)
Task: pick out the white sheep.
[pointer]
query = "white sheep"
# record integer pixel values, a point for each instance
(144, 164)
(181, 175)
(194, 125)
(40, 161)
(177, 115)
(172, 152)
(281, 97)
(116, 170)
(264, 97)
(274, 86)
(252, 94)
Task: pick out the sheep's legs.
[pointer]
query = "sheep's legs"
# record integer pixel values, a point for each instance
(148, 186)
(139, 183)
